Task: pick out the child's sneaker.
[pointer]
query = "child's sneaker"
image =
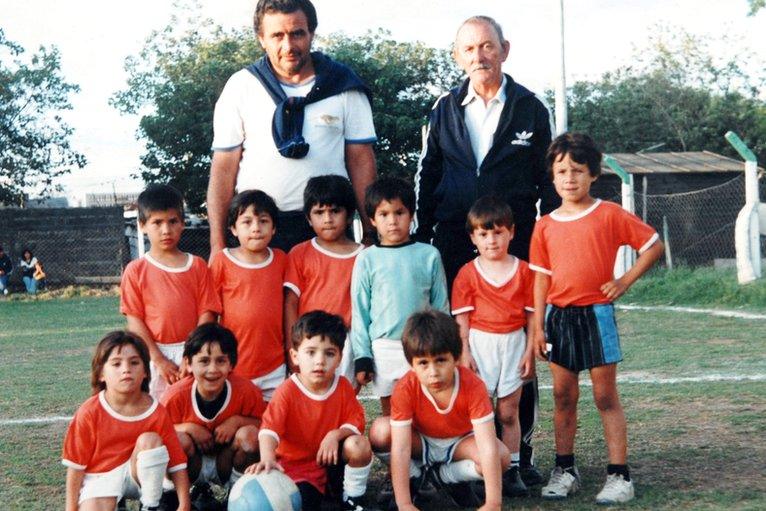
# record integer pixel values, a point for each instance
(531, 476)
(203, 499)
(355, 504)
(513, 486)
(616, 490)
(561, 484)
(462, 494)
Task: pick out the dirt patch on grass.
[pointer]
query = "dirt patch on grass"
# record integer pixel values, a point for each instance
(709, 443)
(66, 292)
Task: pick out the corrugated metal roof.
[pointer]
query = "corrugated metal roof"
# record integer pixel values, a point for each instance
(675, 163)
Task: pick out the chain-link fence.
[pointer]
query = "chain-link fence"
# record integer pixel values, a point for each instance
(700, 224)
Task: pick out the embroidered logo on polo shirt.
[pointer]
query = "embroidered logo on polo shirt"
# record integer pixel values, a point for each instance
(522, 139)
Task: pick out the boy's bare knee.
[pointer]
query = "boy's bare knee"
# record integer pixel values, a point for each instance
(565, 398)
(356, 448)
(508, 415)
(148, 440)
(187, 444)
(380, 435)
(606, 401)
(246, 439)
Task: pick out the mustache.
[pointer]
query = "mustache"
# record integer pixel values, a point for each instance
(479, 67)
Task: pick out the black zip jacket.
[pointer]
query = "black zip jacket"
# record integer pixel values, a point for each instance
(447, 182)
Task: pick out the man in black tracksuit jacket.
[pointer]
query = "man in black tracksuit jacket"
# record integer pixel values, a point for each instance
(448, 182)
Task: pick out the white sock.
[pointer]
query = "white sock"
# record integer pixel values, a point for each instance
(151, 465)
(459, 471)
(414, 469)
(234, 477)
(355, 480)
(515, 459)
(384, 457)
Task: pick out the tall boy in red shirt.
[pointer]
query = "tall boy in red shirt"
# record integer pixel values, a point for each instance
(249, 281)
(166, 293)
(319, 270)
(573, 251)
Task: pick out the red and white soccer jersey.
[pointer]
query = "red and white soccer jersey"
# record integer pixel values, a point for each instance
(578, 252)
(412, 404)
(253, 300)
(243, 398)
(99, 439)
(168, 300)
(321, 279)
(299, 420)
(495, 307)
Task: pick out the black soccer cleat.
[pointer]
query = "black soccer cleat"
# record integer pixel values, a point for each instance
(462, 494)
(513, 485)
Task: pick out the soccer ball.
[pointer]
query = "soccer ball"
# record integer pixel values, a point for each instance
(272, 491)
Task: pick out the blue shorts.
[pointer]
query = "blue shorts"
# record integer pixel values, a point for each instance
(582, 337)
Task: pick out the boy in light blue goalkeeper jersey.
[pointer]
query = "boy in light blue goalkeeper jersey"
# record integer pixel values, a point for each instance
(391, 281)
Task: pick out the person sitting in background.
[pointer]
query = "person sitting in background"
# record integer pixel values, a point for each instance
(6, 266)
(30, 267)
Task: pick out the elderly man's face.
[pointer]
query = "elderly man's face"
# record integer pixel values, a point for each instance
(287, 42)
(480, 53)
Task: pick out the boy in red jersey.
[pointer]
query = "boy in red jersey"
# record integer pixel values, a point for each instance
(121, 441)
(314, 421)
(492, 303)
(166, 293)
(216, 414)
(249, 281)
(319, 270)
(441, 422)
(573, 251)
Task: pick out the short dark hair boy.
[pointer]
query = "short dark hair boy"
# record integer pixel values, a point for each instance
(330, 190)
(580, 147)
(429, 333)
(488, 212)
(389, 189)
(159, 197)
(209, 333)
(322, 324)
(260, 201)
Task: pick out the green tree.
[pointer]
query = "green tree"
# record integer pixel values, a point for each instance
(676, 94)
(755, 6)
(34, 139)
(405, 79)
(176, 79)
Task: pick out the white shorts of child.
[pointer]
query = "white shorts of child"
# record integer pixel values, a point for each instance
(117, 483)
(346, 367)
(440, 450)
(390, 365)
(268, 383)
(173, 352)
(498, 357)
(208, 472)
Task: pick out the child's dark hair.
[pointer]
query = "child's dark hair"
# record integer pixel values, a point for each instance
(112, 340)
(329, 190)
(429, 333)
(489, 212)
(388, 189)
(260, 201)
(580, 148)
(159, 198)
(211, 333)
(319, 323)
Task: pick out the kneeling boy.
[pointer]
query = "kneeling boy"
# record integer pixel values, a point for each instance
(216, 413)
(441, 419)
(314, 421)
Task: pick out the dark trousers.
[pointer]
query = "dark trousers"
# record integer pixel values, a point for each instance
(292, 228)
(456, 249)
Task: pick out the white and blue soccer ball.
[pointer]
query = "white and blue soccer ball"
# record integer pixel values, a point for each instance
(272, 491)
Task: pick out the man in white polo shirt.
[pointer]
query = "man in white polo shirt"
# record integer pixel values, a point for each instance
(292, 115)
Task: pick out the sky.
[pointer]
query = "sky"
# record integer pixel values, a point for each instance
(95, 37)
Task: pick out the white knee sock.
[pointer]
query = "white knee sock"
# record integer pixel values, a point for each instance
(234, 477)
(459, 471)
(150, 467)
(355, 480)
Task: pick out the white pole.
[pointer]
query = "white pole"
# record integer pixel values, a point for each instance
(140, 238)
(561, 84)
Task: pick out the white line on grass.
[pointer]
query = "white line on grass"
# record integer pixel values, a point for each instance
(367, 397)
(693, 310)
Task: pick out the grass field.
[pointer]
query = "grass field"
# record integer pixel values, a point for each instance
(694, 444)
